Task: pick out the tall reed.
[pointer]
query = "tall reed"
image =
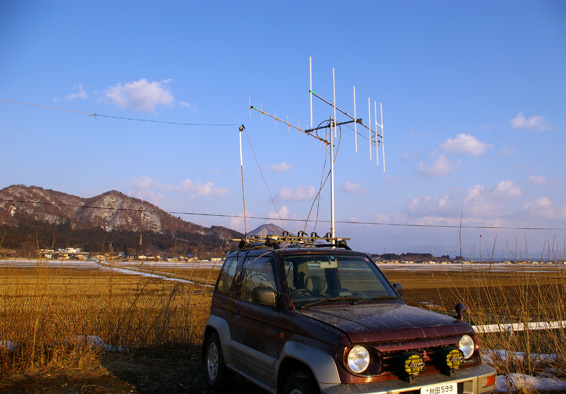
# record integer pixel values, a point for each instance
(59, 316)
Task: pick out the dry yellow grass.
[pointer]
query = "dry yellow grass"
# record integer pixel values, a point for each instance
(50, 312)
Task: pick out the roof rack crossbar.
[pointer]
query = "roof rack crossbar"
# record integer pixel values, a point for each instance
(301, 239)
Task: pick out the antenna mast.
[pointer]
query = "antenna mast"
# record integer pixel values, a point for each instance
(374, 138)
(242, 128)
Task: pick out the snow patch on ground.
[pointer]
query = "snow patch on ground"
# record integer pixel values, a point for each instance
(515, 382)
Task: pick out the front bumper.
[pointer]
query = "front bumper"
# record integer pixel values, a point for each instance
(469, 382)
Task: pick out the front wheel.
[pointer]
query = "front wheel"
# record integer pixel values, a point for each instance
(300, 383)
(215, 369)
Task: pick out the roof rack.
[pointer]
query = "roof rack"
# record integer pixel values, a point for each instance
(302, 239)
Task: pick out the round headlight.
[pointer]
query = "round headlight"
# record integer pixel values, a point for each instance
(467, 346)
(358, 359)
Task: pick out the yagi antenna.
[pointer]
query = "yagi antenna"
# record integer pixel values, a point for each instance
(374, 138)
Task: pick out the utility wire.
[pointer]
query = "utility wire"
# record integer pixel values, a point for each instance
(287, 219)
(95, 116)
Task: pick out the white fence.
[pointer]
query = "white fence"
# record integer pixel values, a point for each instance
(514, 327)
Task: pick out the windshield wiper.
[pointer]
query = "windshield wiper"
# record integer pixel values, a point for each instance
(332, 299)
(386, 297)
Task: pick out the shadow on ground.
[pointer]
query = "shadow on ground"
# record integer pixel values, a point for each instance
(144, 371)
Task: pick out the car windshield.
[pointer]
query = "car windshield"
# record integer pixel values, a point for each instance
(316, 279)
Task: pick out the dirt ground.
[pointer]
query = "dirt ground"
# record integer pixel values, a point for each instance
(146, 371)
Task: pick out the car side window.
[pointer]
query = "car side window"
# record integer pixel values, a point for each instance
(258, 271)
(227, 275)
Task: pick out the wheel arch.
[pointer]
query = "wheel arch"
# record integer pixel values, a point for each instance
(299, 357)
(222, 329)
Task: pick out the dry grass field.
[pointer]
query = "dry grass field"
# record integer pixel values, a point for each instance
(70, 330)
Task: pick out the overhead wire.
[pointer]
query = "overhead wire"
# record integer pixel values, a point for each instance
(263, 177)
(97, 115)
(288, 219)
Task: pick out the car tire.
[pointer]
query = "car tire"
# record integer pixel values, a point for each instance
(214, 367)
(300, 383)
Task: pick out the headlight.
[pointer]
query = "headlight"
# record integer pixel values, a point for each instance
(358, 359)
(467, 346)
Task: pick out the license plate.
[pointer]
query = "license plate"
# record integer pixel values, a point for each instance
(445, 388)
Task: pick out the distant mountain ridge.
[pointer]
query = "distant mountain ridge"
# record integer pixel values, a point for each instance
(110, 211)
(28, 207)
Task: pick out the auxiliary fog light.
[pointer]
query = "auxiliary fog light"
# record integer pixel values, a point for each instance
(358, 359)
(454, 358)
(413, 364)
(467, 346)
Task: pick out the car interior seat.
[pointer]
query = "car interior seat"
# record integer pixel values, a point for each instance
(316, 284)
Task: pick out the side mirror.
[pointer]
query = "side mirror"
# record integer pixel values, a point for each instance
(264, 295)
(398, 288)
(460, 309)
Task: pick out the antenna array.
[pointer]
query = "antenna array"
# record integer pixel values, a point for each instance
(375, 138)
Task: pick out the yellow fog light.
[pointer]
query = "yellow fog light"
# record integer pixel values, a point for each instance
(454, 358)
(413, 364)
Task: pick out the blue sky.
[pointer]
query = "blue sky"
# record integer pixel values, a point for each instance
(473, 98)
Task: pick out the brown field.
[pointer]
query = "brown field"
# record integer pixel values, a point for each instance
(152, 328)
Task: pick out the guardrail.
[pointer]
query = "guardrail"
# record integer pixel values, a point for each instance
(515, 327)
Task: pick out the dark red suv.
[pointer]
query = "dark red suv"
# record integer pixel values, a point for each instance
(321, 318)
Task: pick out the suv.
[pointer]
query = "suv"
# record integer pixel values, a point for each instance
(311, 318)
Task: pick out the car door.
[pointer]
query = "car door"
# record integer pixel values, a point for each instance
(255, 331)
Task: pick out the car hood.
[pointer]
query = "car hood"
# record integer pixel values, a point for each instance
(387, 322)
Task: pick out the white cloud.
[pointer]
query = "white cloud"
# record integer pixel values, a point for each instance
(353, 188)
(146, 186)
(141, 95)
(300, 194)
(184, 104)
(280, 167)
(282, 213)
(143, 189)
(237, 221)
(538, 180)
(505, 189)
(81, 94)
(478, 203)
(533, 123)
(413, 155)
(440, 167)
(199, 189)
(465, 144)
(542, 207)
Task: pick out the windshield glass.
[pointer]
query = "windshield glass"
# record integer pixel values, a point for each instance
(319, 278)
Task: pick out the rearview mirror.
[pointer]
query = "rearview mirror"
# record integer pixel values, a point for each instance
(263, 295)
(398, 288)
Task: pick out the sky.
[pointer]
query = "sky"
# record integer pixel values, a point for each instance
(473, 97)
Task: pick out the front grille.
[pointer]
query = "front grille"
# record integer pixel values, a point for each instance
(391, 363)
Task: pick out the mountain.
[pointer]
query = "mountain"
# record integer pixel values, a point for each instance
(267, 229)
(32, 208)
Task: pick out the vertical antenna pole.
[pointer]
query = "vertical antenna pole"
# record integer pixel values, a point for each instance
(334, 95)
(382, 136)
(376, 126)
(369, 126)
(242, 172)
(355, 122)
(310, 86)
(332, 132)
